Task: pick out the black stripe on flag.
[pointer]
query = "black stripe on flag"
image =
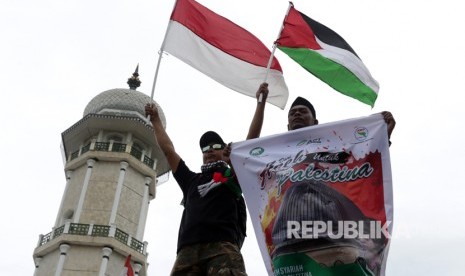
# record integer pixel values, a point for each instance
(327, 35)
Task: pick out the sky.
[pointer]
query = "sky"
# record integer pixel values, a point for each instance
(57, 55)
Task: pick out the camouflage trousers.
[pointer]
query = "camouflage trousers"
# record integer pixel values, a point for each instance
(212, 259)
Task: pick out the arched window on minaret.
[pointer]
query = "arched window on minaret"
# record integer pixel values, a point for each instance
(138, 145)
(137, 149)
(116, 142)
(115, 137)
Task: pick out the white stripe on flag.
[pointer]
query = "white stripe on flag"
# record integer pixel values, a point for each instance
(231, 72)
(350, 61)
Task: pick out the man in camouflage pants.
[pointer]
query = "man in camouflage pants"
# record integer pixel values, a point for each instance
(219, 258)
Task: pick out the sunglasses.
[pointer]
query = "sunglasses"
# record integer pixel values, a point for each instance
(214, 146)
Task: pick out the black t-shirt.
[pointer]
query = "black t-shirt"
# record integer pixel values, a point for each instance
(220, 215)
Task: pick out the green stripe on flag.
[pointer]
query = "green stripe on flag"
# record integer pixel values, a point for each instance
(333, 73)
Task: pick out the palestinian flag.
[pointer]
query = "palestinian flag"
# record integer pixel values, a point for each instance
(223, 51)
(328, 56)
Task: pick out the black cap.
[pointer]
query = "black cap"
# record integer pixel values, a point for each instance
(210, 137)
(302, 101)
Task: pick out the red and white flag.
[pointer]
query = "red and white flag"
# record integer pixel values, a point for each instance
(127, 270)
(223, 51)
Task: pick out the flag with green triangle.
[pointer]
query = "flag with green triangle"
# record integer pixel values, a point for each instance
(325, 54)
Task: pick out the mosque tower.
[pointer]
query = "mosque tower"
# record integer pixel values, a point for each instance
(112, 167)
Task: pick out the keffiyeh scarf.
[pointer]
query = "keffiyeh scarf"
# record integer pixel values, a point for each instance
(221, 173)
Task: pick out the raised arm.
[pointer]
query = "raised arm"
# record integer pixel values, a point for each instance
(226, 158)
(391, 123)
(257, 121)
(162, 137)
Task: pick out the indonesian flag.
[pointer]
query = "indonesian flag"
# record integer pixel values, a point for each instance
(328, 56)
(127, 270)
(223, 51)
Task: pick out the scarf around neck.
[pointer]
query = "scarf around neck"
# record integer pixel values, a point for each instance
(218, 166)
(221, 173)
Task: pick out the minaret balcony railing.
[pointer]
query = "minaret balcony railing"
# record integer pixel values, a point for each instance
(74, 155)
(137, 245)
(148, 161)
(101, 231)
(114, 147)
(102, 146)
(45, 238)
(85, 149)
(94, 230)
(121, 236)
(58, 231)
(118, 147)
(79, 229)
(136, 153)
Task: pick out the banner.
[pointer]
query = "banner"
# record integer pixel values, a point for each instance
(320, 197)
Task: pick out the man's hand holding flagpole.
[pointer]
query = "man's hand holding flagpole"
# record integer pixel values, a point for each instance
(274, 49)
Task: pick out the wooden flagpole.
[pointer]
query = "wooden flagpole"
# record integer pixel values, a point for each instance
(274, 47)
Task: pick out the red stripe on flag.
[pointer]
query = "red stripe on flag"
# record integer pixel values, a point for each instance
(298, 34)
(222, 33)
(127, 264)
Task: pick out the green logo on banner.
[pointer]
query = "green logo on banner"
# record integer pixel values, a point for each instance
(299, 264)
(256, 151)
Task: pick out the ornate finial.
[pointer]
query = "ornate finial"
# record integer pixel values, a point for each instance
(134, 81)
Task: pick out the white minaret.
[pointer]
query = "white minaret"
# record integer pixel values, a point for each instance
(112, 165)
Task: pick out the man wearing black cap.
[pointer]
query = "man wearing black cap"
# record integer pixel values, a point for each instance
(213, 224)
(301, 114)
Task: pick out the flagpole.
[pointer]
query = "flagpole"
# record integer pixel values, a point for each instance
(274, 48)
(160, 54)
